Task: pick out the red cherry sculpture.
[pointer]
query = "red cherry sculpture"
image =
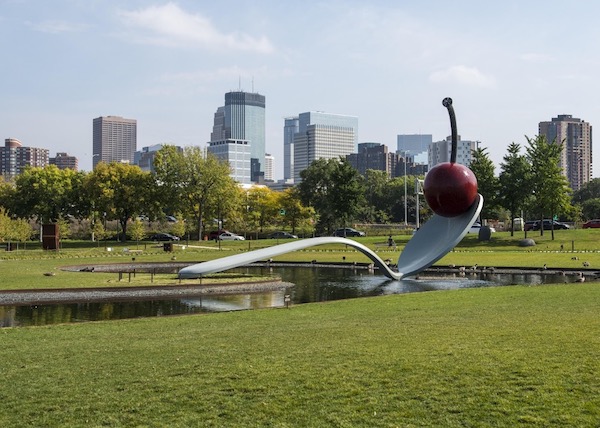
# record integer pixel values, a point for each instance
(450, 188)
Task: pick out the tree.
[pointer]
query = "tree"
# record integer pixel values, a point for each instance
(262, 207)
(334, 189)
(120, 190)
(550, 187)
(514, 182)
(137, 231)
(296, 214)
(487, 183)
(590, 190)
(377, 208)
(591, 208)
(47, 193)
(169, 169)
(197, 185)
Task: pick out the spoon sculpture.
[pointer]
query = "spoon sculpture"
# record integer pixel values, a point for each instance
(430, 243)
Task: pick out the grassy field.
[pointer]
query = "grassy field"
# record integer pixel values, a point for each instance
(492, 357)
(25, 269)
(488, 357)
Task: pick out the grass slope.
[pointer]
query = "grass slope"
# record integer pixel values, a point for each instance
(491, 357)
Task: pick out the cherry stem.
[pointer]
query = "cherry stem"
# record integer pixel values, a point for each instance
(447, 102)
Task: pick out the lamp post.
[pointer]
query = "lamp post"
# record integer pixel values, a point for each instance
(405, 192)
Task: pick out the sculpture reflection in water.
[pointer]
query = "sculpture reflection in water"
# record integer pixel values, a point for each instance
(429, 244)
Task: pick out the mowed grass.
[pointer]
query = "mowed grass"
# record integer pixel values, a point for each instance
(26, 269)
(490, 357)
(505, 356)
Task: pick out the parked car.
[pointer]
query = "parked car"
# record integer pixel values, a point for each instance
(282, 235)
(592, 224)
(228, 236)
(348, 231)
(548, 225)
(528, 225)
(171, 219)
(476, 227)
(215, 234)
(164, 237)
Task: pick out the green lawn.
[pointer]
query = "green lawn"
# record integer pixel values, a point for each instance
(495, 357)
(488, 357)
(25, 269)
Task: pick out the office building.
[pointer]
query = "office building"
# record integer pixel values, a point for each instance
(237, 153)
(14, 158)
(243, 118)
(576, 137)
(64, 161)
(114, 139)
(373, 156)
(269, 162)
(321, 136)
(440, 151)
(413, 143)
(290, 128)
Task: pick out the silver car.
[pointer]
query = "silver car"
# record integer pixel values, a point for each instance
(228, 236)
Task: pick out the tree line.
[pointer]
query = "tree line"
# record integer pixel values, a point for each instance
(198, 190)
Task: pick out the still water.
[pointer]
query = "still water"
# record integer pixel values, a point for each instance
(312, 284)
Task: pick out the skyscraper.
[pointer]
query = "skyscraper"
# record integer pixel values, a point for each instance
(114, 139)
(576, 156)
(319, 135)
(243, 118)
(290, 128)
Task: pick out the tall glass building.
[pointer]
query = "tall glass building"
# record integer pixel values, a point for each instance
(243, 118)
(290, 128)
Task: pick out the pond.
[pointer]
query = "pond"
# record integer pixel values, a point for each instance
(311, 284)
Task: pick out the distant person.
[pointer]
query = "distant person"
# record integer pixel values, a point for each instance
(391, 241)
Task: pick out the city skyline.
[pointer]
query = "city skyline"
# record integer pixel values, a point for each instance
(388, 64)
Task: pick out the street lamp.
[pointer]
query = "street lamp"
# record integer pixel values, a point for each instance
(405, 191)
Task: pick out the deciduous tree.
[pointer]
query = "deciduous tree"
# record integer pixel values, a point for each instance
(120, 190)
(514, 181)
(550, 187)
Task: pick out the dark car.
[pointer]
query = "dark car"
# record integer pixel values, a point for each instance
(282, 235)
(348, 231)
(549, 224)
(164, 237)
(592, 224)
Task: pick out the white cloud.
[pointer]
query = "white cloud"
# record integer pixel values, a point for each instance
(463, 75)
(56, 27)
(169, 25)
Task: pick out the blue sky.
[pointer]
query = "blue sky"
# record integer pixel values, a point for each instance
(508, 65)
